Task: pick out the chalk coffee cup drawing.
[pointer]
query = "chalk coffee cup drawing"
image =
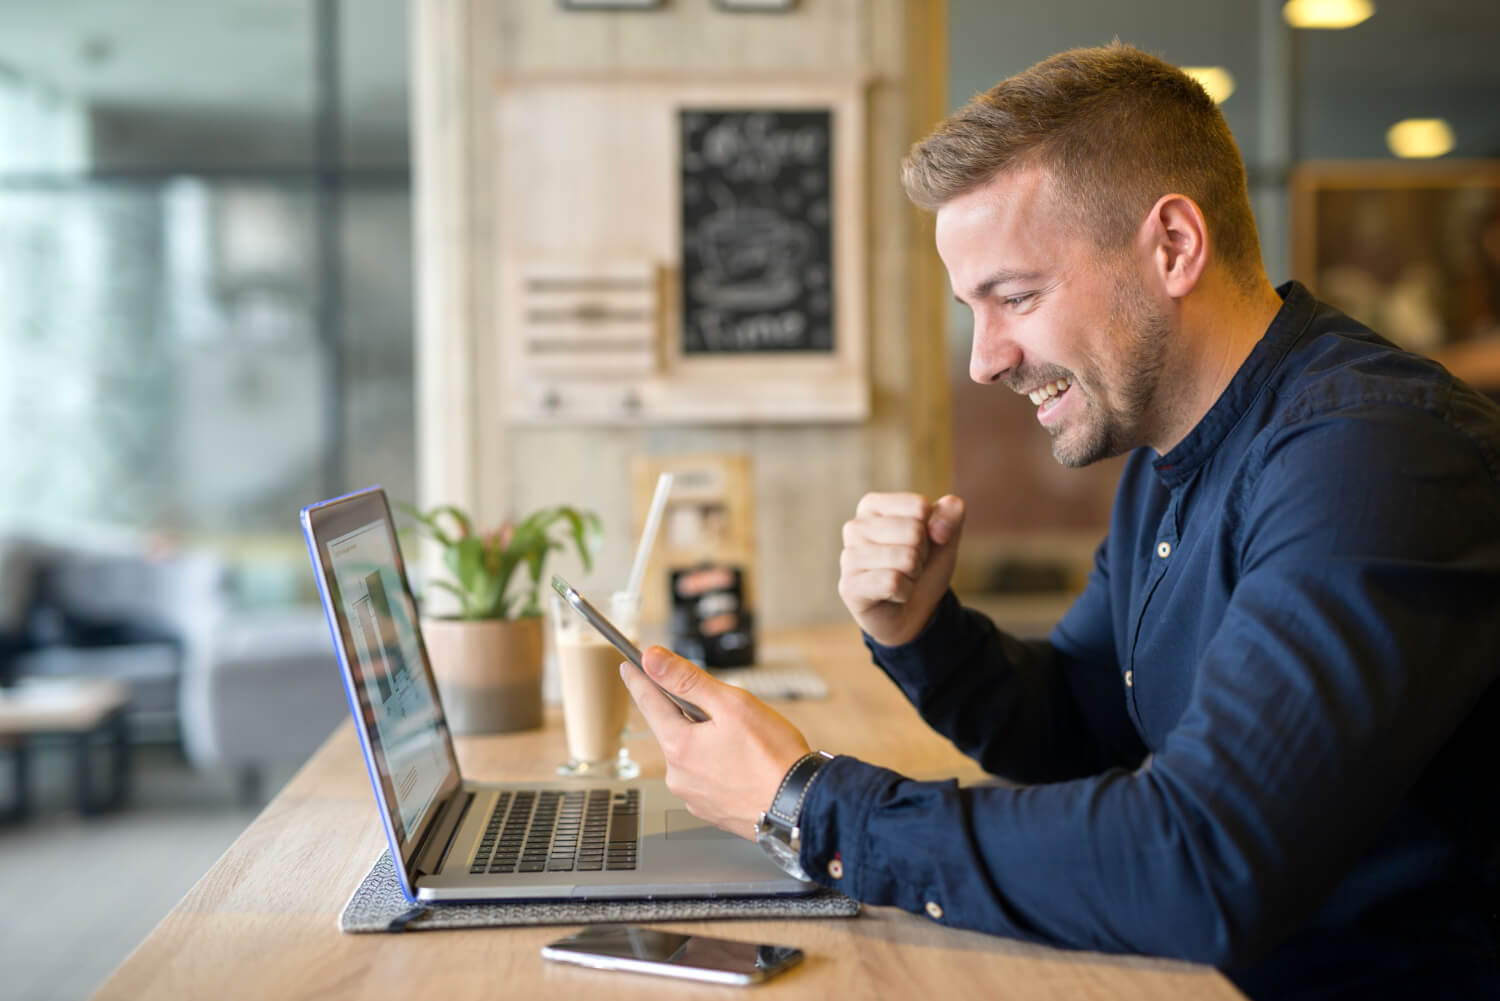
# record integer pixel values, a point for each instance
(595, 701)
(751, 259)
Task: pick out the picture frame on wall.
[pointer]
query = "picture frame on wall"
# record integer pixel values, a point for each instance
(1411, 250)
(757, 266)
(729, 287)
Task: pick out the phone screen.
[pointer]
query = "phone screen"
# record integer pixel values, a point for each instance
(620, 642)
(697, 957)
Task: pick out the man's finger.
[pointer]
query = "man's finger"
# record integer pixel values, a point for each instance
(893, 506)
(662, 714)
(903, 559)
(892, 531)
(680, 676)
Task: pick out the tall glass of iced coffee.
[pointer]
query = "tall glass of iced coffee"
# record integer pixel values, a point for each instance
(595, 701)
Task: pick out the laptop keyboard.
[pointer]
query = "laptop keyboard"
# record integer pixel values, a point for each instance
(555, 831)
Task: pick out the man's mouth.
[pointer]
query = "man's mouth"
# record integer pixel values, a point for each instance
(1043, 396)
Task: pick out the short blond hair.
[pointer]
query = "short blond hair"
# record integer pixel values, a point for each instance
(1113, 129)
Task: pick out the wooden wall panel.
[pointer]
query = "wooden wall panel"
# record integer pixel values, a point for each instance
(806, 479)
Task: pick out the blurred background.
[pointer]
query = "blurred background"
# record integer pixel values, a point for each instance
(208, 319)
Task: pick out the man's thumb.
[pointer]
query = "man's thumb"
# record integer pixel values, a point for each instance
(946, 522)
(676, 674)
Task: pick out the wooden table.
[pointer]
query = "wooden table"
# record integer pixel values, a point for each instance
(262, 923)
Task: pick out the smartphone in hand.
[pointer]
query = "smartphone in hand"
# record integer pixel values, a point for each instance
(621, 643)
(693, 957)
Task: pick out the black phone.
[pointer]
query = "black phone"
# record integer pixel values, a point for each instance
(670, 954)
(621, 642)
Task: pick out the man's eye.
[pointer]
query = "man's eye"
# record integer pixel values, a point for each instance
(1017, 301)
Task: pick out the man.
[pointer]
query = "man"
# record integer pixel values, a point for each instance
(1267, 736)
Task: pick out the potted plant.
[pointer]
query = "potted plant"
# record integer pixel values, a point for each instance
(487, 658)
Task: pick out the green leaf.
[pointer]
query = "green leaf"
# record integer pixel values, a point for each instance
(535, 559)
(426, 522)
(466, 528)
(483, 571)
(467, 564)
(487, 596)
(587, 533)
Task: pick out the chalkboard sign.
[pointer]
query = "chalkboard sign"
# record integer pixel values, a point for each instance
(757, 231)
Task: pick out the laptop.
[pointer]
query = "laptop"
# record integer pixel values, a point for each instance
(456, 839)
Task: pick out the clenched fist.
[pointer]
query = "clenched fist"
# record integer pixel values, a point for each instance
(899, 551)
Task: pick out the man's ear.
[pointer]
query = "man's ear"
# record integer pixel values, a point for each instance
(1176, 234)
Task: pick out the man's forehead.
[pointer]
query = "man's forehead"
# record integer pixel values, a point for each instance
(1007, 226)
(1017, 189)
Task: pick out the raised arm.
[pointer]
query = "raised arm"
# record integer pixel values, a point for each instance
(1030, 711)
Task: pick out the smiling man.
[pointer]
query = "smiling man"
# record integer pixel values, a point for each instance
(1267, 735)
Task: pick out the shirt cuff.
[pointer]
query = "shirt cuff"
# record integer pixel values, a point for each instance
(932, 635)
(915, 661)
(833, 821)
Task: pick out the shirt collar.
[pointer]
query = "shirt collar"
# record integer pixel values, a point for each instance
(1286, 328)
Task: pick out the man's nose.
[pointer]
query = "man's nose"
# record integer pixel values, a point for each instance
(993, 356)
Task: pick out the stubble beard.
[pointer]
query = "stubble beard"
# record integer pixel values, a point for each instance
(1141, 334)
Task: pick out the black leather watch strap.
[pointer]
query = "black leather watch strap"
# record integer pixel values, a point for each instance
(786, 806)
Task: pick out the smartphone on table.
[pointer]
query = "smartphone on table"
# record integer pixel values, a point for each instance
(620, 642)
(670, 954)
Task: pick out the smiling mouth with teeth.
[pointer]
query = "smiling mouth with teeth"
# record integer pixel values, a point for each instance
(1047, 392)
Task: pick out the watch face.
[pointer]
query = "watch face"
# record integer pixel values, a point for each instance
(781, 853)
(778, 849)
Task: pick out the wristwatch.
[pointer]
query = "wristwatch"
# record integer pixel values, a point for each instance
(777, 831)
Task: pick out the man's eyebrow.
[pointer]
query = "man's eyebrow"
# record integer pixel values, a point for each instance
(1002, 277)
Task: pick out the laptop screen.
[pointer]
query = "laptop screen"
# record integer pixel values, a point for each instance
(409, 746)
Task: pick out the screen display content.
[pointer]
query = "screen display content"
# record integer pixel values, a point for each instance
(395, 694)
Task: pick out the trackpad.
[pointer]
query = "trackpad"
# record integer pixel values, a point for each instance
(686, 827)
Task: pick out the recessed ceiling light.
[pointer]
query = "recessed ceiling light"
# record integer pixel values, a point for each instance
(1215, 79)
(1420, 138)
(1326, 13)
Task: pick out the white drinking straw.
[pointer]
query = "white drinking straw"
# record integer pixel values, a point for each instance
(648, 534)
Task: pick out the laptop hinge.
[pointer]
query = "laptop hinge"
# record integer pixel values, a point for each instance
(438, 840)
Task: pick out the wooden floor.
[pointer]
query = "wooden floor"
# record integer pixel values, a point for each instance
(82, 892)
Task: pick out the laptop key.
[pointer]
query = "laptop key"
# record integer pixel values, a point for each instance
(623, 826)
(533, 867)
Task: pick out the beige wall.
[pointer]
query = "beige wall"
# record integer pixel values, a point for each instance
(806, 479)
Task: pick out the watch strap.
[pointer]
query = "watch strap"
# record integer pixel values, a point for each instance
(786, 806)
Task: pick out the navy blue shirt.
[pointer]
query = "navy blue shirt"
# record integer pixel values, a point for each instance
(1267, 735)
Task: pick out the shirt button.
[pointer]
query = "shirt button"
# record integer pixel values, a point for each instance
(934, 911)
(1129, 679)
(836, 869)
(1163, 549)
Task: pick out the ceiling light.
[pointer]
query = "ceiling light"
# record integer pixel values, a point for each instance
(1326, 13)
(1215, 79)
(1419, 138)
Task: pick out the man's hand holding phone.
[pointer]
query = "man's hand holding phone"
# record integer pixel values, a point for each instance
(727, 769)
(726, 750)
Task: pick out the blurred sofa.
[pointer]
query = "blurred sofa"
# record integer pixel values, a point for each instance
(240, 691)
